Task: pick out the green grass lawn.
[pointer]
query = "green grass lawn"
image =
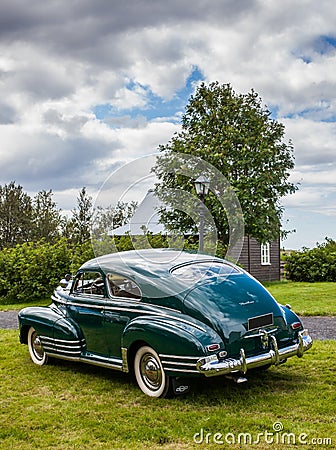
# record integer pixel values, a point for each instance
(18, 306)
(306, 299)
(74, 406)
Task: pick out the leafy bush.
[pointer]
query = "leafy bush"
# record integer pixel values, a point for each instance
(317, 264)
(32, 270)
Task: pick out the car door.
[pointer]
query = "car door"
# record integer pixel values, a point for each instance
(88, 299)
(122, 306)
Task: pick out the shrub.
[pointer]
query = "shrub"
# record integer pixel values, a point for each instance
(32, 271)
(317, 264)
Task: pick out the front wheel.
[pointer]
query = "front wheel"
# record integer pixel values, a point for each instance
(36, 351)
(149, 373)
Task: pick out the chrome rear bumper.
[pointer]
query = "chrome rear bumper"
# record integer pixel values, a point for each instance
(210, 365)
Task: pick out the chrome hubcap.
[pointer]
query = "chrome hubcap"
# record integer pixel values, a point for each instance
(151, 371)
(37, 346)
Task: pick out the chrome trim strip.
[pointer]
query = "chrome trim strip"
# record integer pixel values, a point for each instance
(59, 299)
(178, 319)
(164, 307)
(106, 364)
(165, 363)
(62, 340)
(173, 369)
(60, 348)
(129, 300)
(185, 321)
(54, 344)
(87, 361)
(211, 366)
(96, 357)
(124, 360)
(67, 358)
(147, 304)
(188, 363)
(67, 349)
(261, 332)
(178, 357)
(59, 352)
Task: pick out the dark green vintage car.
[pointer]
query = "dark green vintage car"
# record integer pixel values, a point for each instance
(166, 315)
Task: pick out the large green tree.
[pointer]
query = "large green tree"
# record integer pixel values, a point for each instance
(236, 134)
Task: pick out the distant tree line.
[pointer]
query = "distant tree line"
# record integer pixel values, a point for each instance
(31, 219)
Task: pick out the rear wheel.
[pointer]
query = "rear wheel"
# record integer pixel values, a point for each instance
(149, 373)
(36, 351)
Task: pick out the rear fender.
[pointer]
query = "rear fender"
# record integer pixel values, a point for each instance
(178, 344)
(290, 315)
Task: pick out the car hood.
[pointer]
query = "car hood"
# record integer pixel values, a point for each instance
(228, 304)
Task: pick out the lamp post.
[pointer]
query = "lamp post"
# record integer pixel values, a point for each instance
(202, 188)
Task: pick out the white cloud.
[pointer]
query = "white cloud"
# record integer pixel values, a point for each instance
(315, 142)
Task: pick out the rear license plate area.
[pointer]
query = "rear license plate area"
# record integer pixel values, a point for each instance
(260, 321)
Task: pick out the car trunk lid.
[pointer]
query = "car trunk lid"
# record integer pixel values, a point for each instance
(236, 307)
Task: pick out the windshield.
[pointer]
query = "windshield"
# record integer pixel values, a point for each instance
(198, 271)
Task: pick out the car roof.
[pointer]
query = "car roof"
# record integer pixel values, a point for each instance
(151, 260)
(151, 269)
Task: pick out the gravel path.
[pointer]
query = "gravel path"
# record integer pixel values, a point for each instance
(9, 319)
(319, 327)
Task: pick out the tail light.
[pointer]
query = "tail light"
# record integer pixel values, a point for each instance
(213, 347)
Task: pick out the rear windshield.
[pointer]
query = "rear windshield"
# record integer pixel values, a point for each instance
(202, 270)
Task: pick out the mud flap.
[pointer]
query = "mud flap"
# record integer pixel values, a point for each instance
(180, 386)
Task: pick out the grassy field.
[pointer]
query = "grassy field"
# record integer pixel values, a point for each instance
(18, 306)
(306, 299)
(73, 406)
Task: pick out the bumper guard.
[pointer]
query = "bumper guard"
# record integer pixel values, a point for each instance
(210, 366)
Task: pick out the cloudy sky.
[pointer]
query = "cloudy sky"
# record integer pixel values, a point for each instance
(88, 85)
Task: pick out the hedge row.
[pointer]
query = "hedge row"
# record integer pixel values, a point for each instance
(32, 270)
(317, 264)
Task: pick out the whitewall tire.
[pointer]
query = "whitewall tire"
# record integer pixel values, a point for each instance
(149, 373)
(35, 347)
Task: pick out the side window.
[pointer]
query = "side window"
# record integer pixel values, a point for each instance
(120, 286)
(89, 283)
